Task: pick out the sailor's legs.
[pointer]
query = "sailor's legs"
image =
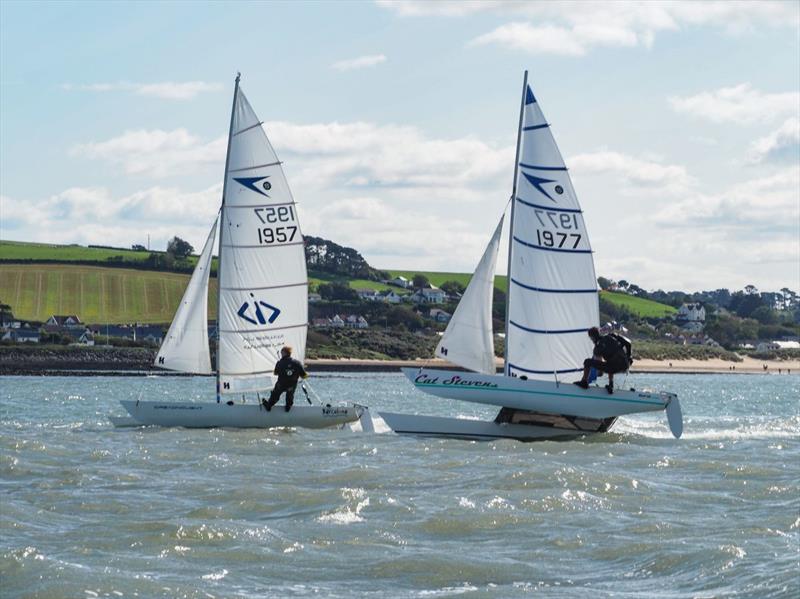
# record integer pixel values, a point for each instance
(289, 398)
(275, 396)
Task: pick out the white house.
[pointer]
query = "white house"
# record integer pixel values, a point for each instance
(69, 320)
(314, 297)
(368, 295)
(22, 336)
(691, 313)
(85, 338)
(777, 345)
(354, 321)
(440, 315)
(428, 296)
(337, 322)
(400, 281)
(390, 297)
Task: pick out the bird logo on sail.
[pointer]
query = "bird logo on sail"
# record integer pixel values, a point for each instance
(537, 182)
(257, 184)
(246, 314)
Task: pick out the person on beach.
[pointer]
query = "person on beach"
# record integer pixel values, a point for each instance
(612, 354)
(288, 371)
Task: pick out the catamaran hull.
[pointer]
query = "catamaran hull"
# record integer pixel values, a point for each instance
(535, 396)
(473, 430)
(213, 415)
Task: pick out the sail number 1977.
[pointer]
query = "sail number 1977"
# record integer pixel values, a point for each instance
(557, 220)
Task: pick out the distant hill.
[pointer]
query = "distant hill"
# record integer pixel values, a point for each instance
(102, 284)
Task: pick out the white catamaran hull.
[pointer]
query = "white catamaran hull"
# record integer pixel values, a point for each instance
(475, 430)
(212, 415)
(536, 396)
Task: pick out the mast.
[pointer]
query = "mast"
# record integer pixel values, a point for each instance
(222, 221)
(511, 220)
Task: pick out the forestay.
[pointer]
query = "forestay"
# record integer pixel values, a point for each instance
(185, 348)
(468, 340)
(552, 288)
(263, 280)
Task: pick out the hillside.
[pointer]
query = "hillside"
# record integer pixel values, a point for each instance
(641, 307)
(96, 294)
(124, 293)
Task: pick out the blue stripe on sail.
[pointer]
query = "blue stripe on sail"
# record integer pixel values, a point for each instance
(540, 247)
(543, 332)
(533, 127)
(553, 290)
(515, 367)
(543, 168)
(549, 208)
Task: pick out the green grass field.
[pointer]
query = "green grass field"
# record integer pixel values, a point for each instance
(95, 294)
(644, 308)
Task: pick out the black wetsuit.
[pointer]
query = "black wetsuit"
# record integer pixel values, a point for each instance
(615, 356)
(288, 371)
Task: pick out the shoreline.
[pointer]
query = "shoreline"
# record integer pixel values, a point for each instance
(692, 366)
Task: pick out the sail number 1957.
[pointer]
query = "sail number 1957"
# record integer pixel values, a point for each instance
(270, 215)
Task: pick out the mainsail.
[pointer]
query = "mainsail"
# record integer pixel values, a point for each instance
(185, 348)
(552, 299)
(263, 298)
(468, 340)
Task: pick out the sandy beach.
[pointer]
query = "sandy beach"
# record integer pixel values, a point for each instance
(746, 366)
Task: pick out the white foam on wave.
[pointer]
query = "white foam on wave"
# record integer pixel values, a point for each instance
(346, 514)
(711, 430)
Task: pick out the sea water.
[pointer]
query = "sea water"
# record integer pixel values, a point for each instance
(91, 511)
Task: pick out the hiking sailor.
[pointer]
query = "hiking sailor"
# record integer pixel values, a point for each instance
(288, 370)
(611, 354)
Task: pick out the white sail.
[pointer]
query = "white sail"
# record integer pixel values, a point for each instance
(552, 287)
(468, 340)
(185, 348)
(263, 281)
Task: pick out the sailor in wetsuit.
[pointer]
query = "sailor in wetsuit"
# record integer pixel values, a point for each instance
(612, 354)
(288, 370)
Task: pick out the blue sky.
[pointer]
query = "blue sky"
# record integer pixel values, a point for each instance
(680, 123)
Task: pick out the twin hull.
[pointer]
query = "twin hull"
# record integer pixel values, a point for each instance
(211, 415)
(535, 396)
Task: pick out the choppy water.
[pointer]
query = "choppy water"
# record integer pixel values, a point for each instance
(91, 511)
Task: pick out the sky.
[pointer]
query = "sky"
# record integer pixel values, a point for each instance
(397, 124)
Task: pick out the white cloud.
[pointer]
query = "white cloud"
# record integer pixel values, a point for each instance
(573, 28)
(751, 207)
(548, 39)
(359, 63)
(156, 153)
(781, 145)
(167, 90)
(94, 215)
(738, 104)
(637, 171)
